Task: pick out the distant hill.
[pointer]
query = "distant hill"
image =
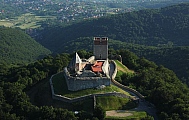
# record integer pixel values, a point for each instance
(151, 27)
(18, 47)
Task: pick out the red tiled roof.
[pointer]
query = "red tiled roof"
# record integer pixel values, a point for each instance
(97, 67)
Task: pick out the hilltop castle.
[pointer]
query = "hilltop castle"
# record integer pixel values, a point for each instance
(91, 73)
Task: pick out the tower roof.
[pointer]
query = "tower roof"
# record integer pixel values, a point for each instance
(77, 58)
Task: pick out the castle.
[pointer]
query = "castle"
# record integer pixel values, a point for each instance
(92, 72)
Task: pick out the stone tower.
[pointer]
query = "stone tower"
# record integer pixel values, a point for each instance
(100, 48)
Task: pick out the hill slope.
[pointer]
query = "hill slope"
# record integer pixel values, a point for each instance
(18, 47)
(152, 27)
(159, 84)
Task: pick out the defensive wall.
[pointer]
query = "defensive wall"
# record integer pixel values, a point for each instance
(123, 86)
(71, 100)
(105, 68)
(75, 83)
(115, 70)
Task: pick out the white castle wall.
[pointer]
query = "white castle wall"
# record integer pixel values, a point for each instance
(105, 68)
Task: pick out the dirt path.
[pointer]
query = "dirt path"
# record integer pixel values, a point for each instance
(118, 113)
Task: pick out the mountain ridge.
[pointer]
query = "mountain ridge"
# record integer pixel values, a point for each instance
(151, 27)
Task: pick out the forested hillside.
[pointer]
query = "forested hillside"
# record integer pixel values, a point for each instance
(18, 47)
(159, 84)
(152, 27)
(156, 34)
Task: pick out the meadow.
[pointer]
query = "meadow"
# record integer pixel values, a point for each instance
(25, 21)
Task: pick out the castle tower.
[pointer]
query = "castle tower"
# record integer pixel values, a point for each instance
(100, 48)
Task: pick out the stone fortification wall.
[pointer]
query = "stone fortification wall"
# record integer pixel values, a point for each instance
(115, 70)
(123, 86)
(70, 100)
(79, 83)
(105, 67)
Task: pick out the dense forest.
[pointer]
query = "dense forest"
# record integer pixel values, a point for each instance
(18, 47)
(159, 84)
(160, 35)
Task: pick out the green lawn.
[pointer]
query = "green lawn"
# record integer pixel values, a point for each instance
(60, 87)
(115, 103)
(107, 102)
(122, 67)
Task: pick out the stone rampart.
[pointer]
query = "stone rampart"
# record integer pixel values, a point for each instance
(123, 86)
(71, 100)
(79, 83)
(115, 70)
(105, 68)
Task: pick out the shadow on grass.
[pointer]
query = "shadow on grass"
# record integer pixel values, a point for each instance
(129, 105)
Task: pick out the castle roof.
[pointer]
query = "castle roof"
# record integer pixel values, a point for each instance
(97, 67)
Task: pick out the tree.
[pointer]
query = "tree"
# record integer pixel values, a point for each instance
(99, 112)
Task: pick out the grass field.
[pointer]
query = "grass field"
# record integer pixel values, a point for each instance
(25, 21)
(122, 67)
(115, 103)
(108, 102)
(60, 87)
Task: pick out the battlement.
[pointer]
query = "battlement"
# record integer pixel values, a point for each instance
(100, 41)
